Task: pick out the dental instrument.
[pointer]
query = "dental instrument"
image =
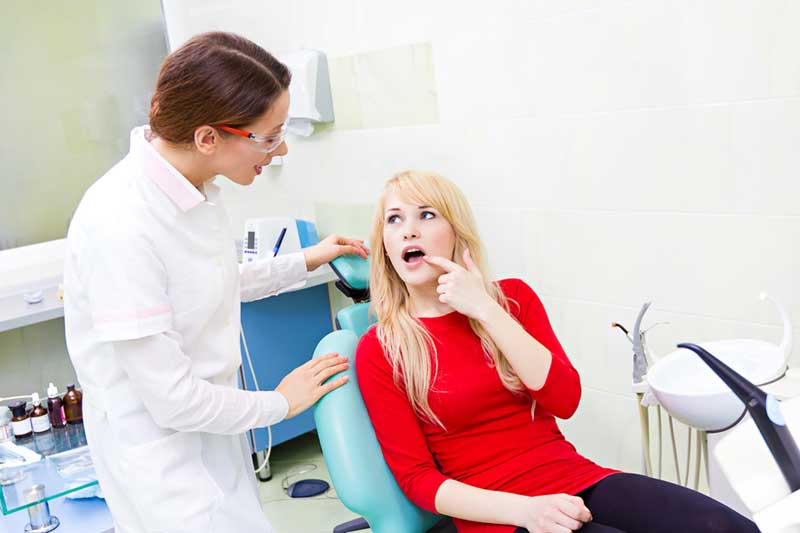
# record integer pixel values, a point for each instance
(639, 355)
(642, 360)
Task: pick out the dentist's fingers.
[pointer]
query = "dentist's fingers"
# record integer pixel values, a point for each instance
(352, 249)
(356, 244)
(332, 385)
(330, 371)
(322, 360)
(303, 386)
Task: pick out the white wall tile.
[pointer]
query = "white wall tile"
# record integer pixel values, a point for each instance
(503, 255)
(653, 160)
(698, 264)
(728, 48)
(605, 429)
(327, 26)
(765, 160)
(784, 73)
(628, 57)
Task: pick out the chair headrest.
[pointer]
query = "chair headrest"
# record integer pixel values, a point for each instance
(353, 274)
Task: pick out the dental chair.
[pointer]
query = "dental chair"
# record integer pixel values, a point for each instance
(352, 454)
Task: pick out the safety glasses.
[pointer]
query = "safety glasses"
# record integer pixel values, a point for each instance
(263, 143)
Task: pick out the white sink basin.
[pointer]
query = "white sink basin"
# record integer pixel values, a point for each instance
(686, 387)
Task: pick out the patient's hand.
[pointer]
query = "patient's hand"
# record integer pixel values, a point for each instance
(462, 288)
(303, 386)
(556, 513)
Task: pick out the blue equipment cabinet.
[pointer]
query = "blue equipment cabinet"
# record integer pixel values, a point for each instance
(282, 333)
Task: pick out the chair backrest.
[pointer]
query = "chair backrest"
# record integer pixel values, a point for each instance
(355, 318)
(352, 454)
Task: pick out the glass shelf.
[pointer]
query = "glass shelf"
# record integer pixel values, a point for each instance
(65, 468)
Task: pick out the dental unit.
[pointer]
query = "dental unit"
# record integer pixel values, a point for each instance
(690, 392)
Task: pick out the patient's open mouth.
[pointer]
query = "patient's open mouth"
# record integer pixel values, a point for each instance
(413, 254)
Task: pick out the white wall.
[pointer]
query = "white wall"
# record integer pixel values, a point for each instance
(615, 152)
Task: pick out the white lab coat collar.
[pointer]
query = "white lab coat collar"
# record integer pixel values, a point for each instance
(174, 184)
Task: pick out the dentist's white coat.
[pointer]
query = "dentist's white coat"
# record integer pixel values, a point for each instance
(152, 302)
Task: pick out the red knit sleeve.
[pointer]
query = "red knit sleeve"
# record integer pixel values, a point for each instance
(396, 426)
(561, 391)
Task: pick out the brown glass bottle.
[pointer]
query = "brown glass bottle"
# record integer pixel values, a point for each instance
(21, 423)
(55, 407)
(73, 405)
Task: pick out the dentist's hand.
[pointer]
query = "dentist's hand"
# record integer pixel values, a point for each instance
(462, 288)
(332, 247)
(303, 386)
(556, 513)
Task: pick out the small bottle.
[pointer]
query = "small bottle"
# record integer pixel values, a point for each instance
(73, 405)
(5, 424)
(20, 422)
(56, 407)
(39, 418)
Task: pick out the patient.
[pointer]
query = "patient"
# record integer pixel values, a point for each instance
(463, 379)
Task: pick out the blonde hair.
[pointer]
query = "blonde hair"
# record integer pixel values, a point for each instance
(406, 343)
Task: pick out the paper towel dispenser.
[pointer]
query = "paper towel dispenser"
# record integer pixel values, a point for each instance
(310, 96)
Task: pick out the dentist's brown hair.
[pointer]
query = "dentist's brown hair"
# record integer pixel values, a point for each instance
(214, 78)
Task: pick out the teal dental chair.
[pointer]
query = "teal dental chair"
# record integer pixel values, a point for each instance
(352, 454)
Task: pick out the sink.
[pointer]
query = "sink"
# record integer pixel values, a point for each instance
(690, 391)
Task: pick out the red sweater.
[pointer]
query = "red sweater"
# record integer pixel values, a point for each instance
(491, 441)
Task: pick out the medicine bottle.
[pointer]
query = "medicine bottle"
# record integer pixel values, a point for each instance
(56, 407)
(39, 419)
(20, 422)
(73, 405)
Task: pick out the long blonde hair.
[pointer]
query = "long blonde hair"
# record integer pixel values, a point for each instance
(407, 344)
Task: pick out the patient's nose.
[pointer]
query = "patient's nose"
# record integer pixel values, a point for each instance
(410, 233)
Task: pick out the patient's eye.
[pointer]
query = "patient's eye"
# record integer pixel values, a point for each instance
(392, 219)
(425, 215)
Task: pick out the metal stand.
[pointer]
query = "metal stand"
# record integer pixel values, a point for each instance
(258, 458)
(41, 521)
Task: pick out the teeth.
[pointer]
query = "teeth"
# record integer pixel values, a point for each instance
(410, 251)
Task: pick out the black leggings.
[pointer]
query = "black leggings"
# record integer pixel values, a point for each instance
(630, 503)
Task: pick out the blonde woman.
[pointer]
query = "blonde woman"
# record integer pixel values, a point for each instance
(463, 379)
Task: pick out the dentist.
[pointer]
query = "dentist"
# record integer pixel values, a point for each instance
(153, 291)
